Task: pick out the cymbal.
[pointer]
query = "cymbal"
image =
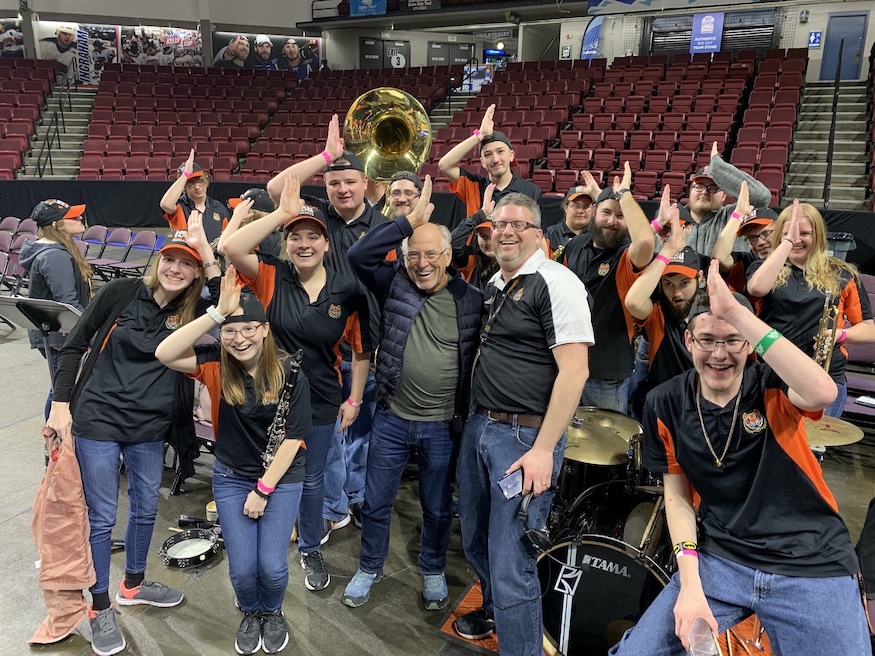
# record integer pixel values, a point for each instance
(830, 431)
(622, 425)
(595, 445)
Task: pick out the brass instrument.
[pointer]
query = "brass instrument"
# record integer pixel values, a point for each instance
(557, 254)
(389, 131)
(824, 340)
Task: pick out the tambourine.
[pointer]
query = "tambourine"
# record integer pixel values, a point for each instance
(190, 548)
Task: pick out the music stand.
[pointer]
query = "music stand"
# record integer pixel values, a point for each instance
(43, 314)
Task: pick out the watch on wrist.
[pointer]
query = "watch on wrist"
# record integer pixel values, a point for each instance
(620, 192)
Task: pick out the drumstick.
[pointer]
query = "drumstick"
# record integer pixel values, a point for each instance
(738, 637)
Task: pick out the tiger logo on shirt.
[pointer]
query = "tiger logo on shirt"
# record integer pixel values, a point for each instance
(753, 421)
(334, 311)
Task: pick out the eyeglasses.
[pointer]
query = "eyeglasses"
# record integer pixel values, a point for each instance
(518, 226)
(430, 256)
(577, 207)
(246, 332)
(765, 235)
(711, 189)
(707, 344)
(406, 193)
(197, 181)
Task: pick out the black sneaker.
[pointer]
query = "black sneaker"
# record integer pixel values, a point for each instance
(476, 625)
(249, 634)
(275, 632)
(356, 511)
(317, 577)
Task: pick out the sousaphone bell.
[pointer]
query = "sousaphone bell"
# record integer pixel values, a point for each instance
(388, 129)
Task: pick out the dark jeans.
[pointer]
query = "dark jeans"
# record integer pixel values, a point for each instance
(310, 523)
(53, 360)
(389, 451)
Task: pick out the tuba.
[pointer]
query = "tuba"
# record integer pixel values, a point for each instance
(389, 131)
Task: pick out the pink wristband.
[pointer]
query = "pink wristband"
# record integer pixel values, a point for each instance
(687, 552)
(354, 404)
(736, 215)
(327, 156)
(662, 258)
(655, 225)
(478, 134)
(842, 337)
(186, 174)
(264, 488)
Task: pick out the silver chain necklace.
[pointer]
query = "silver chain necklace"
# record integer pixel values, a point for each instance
(717, 461)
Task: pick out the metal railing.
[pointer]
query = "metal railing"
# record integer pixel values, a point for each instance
(452, 84)
(57, 124)
(827, 180)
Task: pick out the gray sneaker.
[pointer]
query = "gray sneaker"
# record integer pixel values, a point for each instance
(434, 591)
(317, 577)
(358, 590)
(150, 593)
(274, 631)
(106, 637)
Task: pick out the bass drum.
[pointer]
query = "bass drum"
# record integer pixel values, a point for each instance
(612, 558)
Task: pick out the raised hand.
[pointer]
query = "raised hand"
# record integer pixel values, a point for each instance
(334, 143)
(591, 187)
(743, 206)
(194, 232)
(488, 204)
(714, 149)
(487, 127)
(723, 304)
(229, 297)
(791, 230)
(626, 182)
(677, 238)
(243, 210)
(662, 215)
(421, 212)
(290, 200)
(188, 167)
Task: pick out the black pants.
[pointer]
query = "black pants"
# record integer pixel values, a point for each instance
(866, 550)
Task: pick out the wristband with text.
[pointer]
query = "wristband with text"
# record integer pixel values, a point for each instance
(186, 174)
(768, 339)
(680, 546)
(662, 258)
(736, 216)
(354, 404)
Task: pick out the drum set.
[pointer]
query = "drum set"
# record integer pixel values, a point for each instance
(611, 553)
(611, 549)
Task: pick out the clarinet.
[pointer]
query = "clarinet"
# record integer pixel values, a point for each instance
(276, 432)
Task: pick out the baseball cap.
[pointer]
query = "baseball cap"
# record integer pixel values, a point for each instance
(760, 216)
(196, 170)
(262, 38)
(253, 310)
(261, 200)
(576, 192)
(701, 174)
(702, 304)
(484, 224)
(684, 262)
(50, 211)
(176, 240)
(409, 176)
(495, 136)
(309, 213)
(355, 164)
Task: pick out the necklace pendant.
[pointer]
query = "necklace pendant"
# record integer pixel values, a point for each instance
(719, 463)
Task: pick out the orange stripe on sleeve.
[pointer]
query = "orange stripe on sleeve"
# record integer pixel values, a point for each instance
(668, 444)
(787, 425)
(177, 219)
(352, 333)
(624, 279)
(263, 283)
(849, 303)
(210, 374)
(654, 326)
(469, 192)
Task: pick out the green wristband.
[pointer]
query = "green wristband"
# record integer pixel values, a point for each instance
(768, 339)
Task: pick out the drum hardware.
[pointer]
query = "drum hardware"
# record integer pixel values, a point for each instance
(830, 431)
(187, 521)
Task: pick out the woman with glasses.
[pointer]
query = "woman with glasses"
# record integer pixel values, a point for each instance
(313, 308)
(57, 269)
(473, 254)
(800, 283)
(259, 470)
(125, 403)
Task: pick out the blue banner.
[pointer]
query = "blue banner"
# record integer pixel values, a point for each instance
(367, 8)
(589, 46)
(707, 32)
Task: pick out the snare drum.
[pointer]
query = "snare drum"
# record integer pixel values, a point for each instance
(613, 547)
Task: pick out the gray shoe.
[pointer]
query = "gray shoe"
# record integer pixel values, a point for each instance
(150, 593)
(106, 637)
(317, 577)
(249, 634)
(274, 631)
(434, 591)
(358, 590)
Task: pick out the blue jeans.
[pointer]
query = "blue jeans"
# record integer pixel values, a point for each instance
(801, 615)
(257, 548)
(310, 522)
(837, 407)
(389, 451)
(492, 531)
(99, 463)
(53, 361)
(606, 394)
(348, 455)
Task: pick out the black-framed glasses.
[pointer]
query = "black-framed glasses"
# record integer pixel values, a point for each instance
(711, 189)
(580, 207)
(246, 332)
(405, 193)
(518, 226)
(765, 235)
(708, 344)
(430, 256)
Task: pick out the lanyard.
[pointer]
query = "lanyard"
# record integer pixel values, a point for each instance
(493, 315)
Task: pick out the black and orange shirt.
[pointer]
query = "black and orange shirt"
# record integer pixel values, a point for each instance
(668, 354)
(768, 507)
(736, 277)
(543, 306)
(607, 275)
(558, 234)
(795, 309)
(216, 217)
(470, 187)
(242, 430)
(339, 314)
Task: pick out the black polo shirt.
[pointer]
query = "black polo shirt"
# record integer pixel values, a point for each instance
(342, 236)
(795, 310)
(543, 306)
(607, 275)
(241, 430)
(470, 187)
(668, 354)
(768, 507)
(130, 395)
(338, 315)
(558, 234)
(216, 217)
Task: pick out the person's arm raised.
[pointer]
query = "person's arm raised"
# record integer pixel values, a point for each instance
(638, 297)
(722, 249)
(764, 278)
(449, 163)
(640, 232)
(309, 167)
(171, 196)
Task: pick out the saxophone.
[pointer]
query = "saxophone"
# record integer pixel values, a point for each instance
(824, 340)
(276, 432)
(557, 254)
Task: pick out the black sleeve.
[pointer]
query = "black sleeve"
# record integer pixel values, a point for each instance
(754, 266)
(367, 255)
(462, 250)
(298, 422)
(369, 340)
(204, 353)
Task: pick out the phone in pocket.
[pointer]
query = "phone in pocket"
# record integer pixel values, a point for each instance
(512, 484)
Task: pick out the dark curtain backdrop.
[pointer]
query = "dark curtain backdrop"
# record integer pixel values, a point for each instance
(135, 205)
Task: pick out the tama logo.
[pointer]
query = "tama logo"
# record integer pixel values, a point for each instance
(606, 565)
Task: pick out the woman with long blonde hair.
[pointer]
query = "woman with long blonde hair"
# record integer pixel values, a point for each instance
(57, 269)
(125, 403)
(800, 281)
(258, 476)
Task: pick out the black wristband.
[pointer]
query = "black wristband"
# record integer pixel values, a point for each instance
(260, 493)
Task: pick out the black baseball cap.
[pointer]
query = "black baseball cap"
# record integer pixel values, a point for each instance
(196, 170)
(702, 305)
(685, 262)
(354, 163)
(261, 200)
(576, 192)
(253, 310)
(52, 210)
(495, 136)
(410, 176)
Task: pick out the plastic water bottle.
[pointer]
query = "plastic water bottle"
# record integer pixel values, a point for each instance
(702, 640)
